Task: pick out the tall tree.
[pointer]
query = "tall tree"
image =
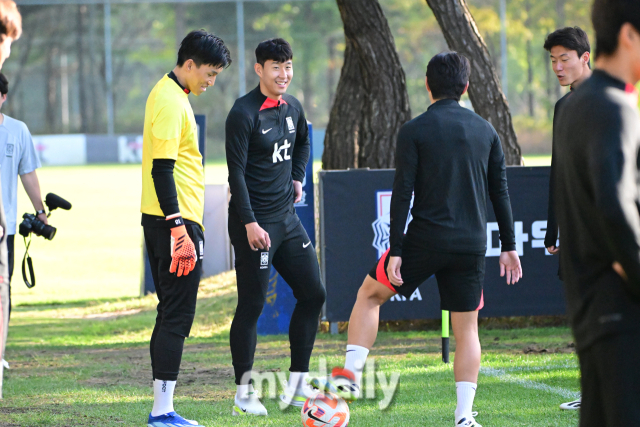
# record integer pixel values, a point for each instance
(462, 35)
(371, 102)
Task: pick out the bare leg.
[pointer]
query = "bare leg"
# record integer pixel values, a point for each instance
(466, 364)
(363, 323)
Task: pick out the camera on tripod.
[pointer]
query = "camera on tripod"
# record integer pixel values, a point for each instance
(31, 224)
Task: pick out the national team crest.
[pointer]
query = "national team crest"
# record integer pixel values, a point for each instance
(382, 225)
(292, 128)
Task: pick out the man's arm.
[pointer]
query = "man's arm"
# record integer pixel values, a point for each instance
(499, 195)
(551, 236)
(32, 187)
(238, 130)
(405, 177)
(166, 134)
(612, 157)
(165, 185)
(301, 149)
(27, 166)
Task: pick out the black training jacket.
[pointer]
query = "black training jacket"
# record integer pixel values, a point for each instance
(551, 236)
(451, 158)
(598, 206)
(267, 146)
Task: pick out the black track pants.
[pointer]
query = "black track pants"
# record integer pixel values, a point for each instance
(611, 381)
(294, 257)
(177, 300)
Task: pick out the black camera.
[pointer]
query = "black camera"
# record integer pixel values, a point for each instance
(31, 224)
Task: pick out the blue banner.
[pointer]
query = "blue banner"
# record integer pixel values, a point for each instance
(280, 303)
(354, 233)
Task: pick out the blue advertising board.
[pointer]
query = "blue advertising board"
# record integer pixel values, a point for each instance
(354, 233)
(280, 301)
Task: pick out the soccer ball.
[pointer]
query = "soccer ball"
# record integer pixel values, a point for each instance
(325, 410)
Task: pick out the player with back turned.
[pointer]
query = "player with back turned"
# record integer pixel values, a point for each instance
(452, 160)
(598, 201)
(173, 208)
(570, 55)
(267, 148)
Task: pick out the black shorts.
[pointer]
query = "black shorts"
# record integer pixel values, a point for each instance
(177, 296)
(460, 276)
(610, 381)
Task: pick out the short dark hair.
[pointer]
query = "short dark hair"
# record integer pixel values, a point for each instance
(447, 75)
(4, 84)
(572, 38)
(204, 48)
(278, 50)
(608, 17)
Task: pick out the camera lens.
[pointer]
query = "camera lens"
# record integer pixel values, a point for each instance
(48, 232)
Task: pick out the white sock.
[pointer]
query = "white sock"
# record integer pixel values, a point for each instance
(243, 390)
(466, 393)
(356, 357)
(297, 380)
(162, 397)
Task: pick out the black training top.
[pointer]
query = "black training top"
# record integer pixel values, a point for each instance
(267, 146)
(551, 236)
(598, 206)
(450, 157)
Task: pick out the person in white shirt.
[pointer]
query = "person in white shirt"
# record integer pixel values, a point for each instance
(18, 157)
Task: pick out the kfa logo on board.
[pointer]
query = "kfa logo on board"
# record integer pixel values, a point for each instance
(281, 153)
(382, 223)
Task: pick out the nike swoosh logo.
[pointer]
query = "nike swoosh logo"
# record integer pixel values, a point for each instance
(266, 131)
(305, 245)
(313, 417)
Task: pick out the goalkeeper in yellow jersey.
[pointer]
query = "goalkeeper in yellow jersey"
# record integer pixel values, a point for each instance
(173, 207)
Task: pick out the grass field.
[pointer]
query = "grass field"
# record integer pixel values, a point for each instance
(87, 364)
(78, 340)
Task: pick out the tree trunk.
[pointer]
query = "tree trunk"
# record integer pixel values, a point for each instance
(462, 35)
(371, 102)
(341, 138)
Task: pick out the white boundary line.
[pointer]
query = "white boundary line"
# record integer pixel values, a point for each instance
(504, 377)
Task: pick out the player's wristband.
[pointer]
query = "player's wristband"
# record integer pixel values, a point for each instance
(176, 221)
(40, 211)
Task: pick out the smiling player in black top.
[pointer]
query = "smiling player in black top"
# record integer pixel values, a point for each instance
(267, 146)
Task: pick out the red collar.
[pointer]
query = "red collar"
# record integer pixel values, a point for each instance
(629, 88)
(270, 103)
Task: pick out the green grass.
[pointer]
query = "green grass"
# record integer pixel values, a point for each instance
(87, 364)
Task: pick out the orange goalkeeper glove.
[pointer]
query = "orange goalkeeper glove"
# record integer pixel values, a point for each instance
(183, 252)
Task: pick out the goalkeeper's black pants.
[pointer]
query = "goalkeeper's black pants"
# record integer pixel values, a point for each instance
(611, 381)
(176, 300)
(294, 258)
